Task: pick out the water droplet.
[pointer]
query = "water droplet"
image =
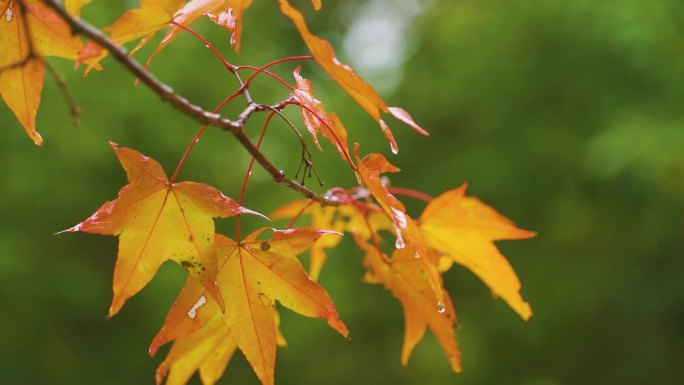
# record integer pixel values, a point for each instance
(440, 307)
(399, 243)
(206, 45)
(417, 255)
(9, 14)
(192, 313)
(395, 149)
(400, 217)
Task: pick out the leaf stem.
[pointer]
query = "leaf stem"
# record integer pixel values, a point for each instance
(208, 44)
(196, 138)
(248, 173)
(410, 193)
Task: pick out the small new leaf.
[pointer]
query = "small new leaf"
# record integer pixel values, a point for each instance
(316, 119)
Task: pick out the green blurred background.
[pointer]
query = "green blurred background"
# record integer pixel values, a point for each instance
(567, 117)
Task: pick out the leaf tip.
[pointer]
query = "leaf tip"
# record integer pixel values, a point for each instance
(405, 117)
(158, 340)
(525, 312)
(339, 326)
(389, 136)
(37, 139)
(244, 210)
(71, 229)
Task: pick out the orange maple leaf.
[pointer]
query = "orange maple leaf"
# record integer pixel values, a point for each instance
(345, 76)
(157, 221)
(465, 229)
(21, 85)
(411, 284)
(252, 276)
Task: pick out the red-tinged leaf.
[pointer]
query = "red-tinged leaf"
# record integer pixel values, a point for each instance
(408, 281)
(465, 229)
(21, 86)
(157, 221)
(316, 119)
(345, 76)
(254, 274)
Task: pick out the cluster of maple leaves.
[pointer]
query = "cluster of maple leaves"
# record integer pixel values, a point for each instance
(228, 301)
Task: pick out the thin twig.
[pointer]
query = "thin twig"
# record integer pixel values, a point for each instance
(166, 93)
(75, 111)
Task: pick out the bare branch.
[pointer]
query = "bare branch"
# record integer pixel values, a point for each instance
(197, 113)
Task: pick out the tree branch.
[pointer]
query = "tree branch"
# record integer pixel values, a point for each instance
(197, 113)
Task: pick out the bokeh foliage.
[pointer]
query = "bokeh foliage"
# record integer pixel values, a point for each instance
(566, 116)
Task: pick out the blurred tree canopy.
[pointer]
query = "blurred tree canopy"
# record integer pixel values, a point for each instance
(566, 116)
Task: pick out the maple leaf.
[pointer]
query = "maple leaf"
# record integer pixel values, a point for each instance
(157, 221)
(207, 351)
(252, 276)
(465, 229)
(21, 85)
(370, 169)
(316, 119)
(345, 76)
(411, 284)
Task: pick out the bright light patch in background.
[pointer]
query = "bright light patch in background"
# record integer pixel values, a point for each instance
(379, 40)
